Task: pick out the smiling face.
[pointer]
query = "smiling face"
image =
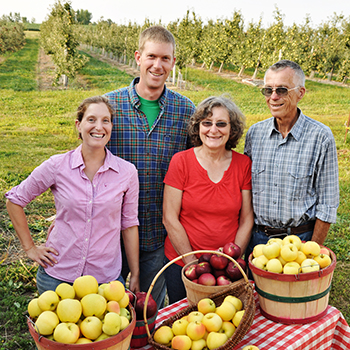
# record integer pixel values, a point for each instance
(156, 62)
(283, 107)
(213, 137)
(96, 126)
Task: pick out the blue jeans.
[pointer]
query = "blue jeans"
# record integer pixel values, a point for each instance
(45, 282)
(150, 264)
(174, 284)
(259, 237)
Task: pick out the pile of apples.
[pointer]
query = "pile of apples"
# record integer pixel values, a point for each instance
(81, 313)
(290, 256)
(209, 327)
(215, 269)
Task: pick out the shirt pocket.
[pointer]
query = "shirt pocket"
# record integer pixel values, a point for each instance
(299, 182)
(258, 178)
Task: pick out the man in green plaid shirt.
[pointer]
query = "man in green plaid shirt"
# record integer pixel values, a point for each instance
(149, 127)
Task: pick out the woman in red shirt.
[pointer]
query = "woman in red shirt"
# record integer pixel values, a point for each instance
(207, 193)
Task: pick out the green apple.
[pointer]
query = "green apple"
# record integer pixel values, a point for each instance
(226, 310)
(195, 316)
(91, 327)
(212, 322)
(274, 265)
(46, 322)
(179, 327)
(69, 310)
(323, 260)
(93, 305)
(48, 300)
(309, 265)
(195, 330)
(124, 322)
(84, 285)
(125, 312)
(115, 290)
(111, 323)
(237, 303)
(198, 344)
(311, 249)
(206, 305)
(66, 332)
(228, 328)
(181, 342)
(271, 250)
(289, 252)
(65, 291)
(238, 317)
(215, 339)
(292, 239)
(34, 309)
(163, 335)
(291, 268)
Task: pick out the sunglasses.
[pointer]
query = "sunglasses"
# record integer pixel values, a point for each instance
(209, 124)
(280, 91)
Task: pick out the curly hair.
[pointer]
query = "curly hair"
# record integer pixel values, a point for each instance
(204, 111)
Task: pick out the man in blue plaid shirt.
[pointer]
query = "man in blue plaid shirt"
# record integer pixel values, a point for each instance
(149, 127)
(294, 164)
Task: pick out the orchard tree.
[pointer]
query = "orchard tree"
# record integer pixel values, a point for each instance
(83, 17)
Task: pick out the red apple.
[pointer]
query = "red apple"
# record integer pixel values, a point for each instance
(131, 296)
(243, 264)
(232, 250)
(205, 257)
(207, 279)
(195, 281)
(218, 273)
(140, 304)
(218, 262)
(223, 281)
(190, 272)
(203, 267)
(233, 272)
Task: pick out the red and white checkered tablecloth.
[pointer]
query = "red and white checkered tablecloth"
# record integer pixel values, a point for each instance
(329, 333)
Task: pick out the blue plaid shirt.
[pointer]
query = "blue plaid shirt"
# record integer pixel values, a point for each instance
(150, 149)
(295, 179)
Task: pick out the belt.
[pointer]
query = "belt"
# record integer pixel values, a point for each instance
(270, 231)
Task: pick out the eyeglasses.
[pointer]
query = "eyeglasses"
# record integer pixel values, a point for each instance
(209, 124)
(280, 91)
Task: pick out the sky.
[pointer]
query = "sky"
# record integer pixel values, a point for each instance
(123, 11)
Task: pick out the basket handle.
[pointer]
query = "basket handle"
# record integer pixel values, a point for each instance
(173, 261)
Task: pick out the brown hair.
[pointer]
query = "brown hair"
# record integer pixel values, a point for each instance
(204, 110)
(156, 34)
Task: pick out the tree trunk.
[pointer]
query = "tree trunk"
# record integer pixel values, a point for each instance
(221, 65)
(241, 70)
(211, 66)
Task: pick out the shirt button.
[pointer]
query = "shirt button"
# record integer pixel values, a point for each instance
(90, 202)
(83, 257)
(274, 202)
(86, 239)
(275, 184)
(88, 220)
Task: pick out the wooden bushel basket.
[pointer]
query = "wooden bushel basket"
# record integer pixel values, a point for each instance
(293, 299)
(242, 289)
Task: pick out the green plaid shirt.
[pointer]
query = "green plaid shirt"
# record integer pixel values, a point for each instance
(150, 150)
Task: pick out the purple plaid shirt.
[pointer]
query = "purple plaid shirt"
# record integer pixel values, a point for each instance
(150, 149)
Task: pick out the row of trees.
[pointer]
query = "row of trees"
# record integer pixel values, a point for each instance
(12, 36)
(325, 49)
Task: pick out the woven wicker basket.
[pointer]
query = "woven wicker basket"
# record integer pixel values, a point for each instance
(242, 290)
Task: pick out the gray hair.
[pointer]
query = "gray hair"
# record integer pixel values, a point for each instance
(283, 64)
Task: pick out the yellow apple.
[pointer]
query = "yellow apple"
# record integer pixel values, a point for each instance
(179, 326)
(124, 301)
(228, 328)
(101, 288)
(181, 342)
(274, 265)
(103, 336)
(311, 249)
(115, 290)
(69, 310)
(195, 316)
(84, 285)
(283, 262)
(300, 258)
(261, 261)
(277, 240)
(46, 322)
(66, 332)
(226, 310)
(309, 265)
(48, 300)
(113, 306)
(34, 309)
(91, 327)
(238, 317)
(289, 252)
(65, 291)
(237, 303)
(212, 322)
(323, 260)
(250, 347)
(111, 323)
(257, 251)
(271, 250)
(291, 268)
(124, 322)
(198, 344)
(206, 305)
(292, 239)
(93, 305)
(83, 341)
(163, 335)
(195, 330)
(215, 339)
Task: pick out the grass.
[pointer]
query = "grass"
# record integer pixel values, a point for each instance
(37, 124)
